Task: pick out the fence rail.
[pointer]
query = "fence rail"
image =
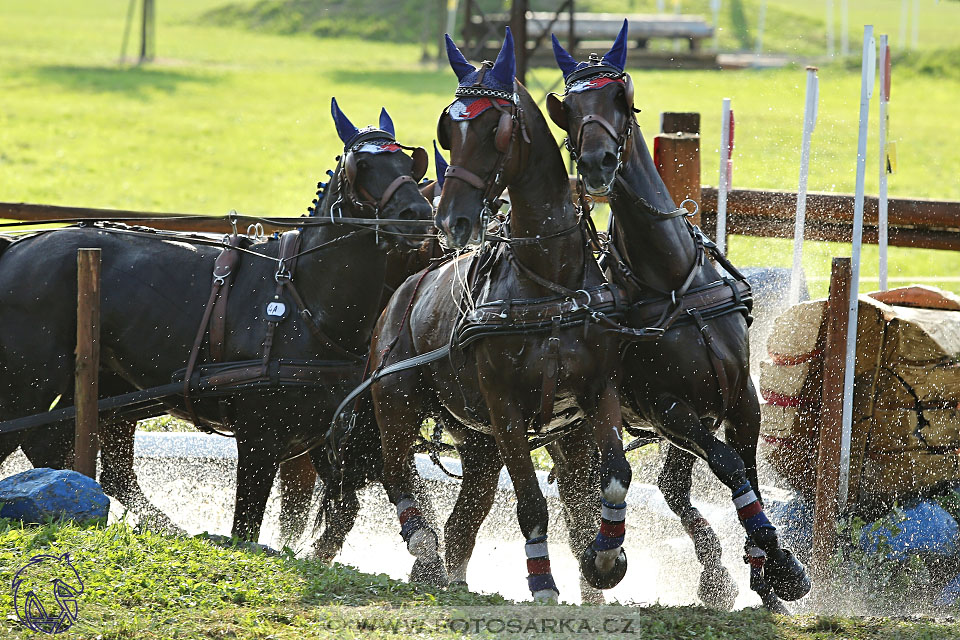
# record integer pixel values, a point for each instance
(929, 224)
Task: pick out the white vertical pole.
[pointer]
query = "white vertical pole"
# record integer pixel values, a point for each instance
(882, 206)
(659, 6)
(451, 15)
(904, 19)
(868, 70)
(715, 6)
(809, 122)
(724, 177)
(830, 29)
(844, 28)
(761, 24)
(915, 35)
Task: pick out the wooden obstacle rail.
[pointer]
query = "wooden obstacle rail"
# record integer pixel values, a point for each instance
(921, 223)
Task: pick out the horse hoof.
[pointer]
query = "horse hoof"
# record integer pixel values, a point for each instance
(786, 575)
(593, 576)
(772, 604)
(717, 589)
(431, 572)
(546, 596)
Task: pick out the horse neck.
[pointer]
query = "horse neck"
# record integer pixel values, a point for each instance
(661, 252)
(542, 205)
(342, 283)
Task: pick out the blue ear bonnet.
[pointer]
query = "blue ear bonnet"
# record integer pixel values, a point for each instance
(616, 57)
(498, 78)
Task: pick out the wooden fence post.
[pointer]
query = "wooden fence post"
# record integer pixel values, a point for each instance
(676, 152)
(827, 507)
(86, 381)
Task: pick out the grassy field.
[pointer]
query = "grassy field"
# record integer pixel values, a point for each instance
(152, 587)
(229, 118)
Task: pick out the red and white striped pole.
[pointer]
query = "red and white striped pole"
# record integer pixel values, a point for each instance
(884, 126)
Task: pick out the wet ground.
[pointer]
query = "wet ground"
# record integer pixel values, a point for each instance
(191, 477)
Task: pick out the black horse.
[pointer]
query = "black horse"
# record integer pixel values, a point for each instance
(319, 304)
(690, 373)
(525, 354)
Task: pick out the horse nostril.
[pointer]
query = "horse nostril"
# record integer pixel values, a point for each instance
(609, 162)
(461, 230)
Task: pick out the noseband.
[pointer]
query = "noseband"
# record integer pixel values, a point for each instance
(511, 124)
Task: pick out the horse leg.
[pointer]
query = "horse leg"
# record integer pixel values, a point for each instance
(510, 431)
(742, 433)
(257, 464)
(604, 562)
(297, 480)
(481, 470)
(717, 589)
(575, 461)
(340, 516)
(682, 425)
(399, 422)
(118, 477)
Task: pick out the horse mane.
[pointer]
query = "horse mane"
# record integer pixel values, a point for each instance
(651, 187)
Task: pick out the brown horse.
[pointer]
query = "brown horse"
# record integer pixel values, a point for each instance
(516, 328)
(692, 374)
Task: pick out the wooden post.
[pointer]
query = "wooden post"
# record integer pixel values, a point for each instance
(827, 505)
(87, 361)
(676, 152)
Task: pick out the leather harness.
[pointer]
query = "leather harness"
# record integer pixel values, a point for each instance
(224, 378)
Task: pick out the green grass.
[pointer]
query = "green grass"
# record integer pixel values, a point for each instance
(234, 119)
(150, 586)
(791, 26)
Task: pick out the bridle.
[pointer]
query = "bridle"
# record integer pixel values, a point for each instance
(593, 71)
(623, 138)
(351, 192)
(509, 128)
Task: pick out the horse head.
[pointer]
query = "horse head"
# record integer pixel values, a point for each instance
(481, 129)
(379, 179)
(598, 92)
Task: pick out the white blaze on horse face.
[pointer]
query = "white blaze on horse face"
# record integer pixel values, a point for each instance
(464, 127)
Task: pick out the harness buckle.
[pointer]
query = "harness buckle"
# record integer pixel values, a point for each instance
(283, 273)
(576, 305)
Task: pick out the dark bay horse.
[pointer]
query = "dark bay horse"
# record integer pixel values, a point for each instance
(154, 289)
(693, 374)
(516, 364)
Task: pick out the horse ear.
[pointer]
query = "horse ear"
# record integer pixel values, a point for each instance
(440, 163)
(458, 63)
(556, 110)
(617, 56)
(505, 68)
(386, 123)
(565, 61)
(345, 128)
